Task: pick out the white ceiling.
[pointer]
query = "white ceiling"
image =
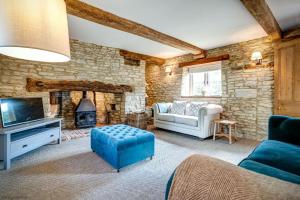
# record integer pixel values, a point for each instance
(204, 23)
(286, 12)
(94, 33)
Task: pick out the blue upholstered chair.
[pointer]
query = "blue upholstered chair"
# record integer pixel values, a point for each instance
(279, 156)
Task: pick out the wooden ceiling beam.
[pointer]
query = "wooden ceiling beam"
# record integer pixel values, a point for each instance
(97, 15)
(264, 16)
(204, 60)
(146, 58)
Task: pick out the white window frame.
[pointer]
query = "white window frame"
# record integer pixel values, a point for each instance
(200, 69)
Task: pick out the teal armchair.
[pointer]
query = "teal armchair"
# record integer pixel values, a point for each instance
(279, 156)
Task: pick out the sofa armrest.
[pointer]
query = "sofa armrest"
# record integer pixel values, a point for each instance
(206, 116)
(155, 110)
(210, 109)
(203, 177)
(285, 129)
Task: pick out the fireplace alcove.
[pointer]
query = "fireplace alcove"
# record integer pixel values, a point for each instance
(101, 102)
(100, 109)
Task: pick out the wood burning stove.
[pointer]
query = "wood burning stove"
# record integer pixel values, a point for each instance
(85, 113)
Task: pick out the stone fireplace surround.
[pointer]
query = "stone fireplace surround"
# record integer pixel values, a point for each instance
(67, 95)
(63, 104)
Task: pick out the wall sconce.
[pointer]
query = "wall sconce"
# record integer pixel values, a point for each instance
(257, 57)
(168, 70)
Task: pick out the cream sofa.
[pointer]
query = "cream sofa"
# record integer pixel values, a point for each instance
(199, 126)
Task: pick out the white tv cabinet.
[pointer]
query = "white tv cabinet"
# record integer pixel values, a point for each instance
(20, 139)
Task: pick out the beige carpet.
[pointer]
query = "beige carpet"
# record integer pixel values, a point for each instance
(72, 171)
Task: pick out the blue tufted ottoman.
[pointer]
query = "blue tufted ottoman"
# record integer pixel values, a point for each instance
(122, 145)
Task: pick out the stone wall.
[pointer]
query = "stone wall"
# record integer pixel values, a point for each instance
(247, 94)
(88, 62)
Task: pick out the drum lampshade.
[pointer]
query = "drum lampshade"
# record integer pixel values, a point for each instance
(34, 30)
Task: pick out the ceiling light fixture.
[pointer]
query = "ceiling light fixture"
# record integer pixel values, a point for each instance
(34, 30)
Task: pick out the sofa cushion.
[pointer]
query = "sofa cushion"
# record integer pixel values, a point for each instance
(270, 171)
(187, 120)
(163, 107)
(285, 129)
(278, 154)
(192, 109)
(166, 117)
(178, 107)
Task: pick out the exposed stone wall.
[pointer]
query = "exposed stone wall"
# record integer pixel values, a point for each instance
(88, 62)
(247, 94)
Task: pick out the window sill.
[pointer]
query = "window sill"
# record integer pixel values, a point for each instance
(201, 96)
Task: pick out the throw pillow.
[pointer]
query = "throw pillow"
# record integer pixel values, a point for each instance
(178, 107)
(194, 107)
(163, 107)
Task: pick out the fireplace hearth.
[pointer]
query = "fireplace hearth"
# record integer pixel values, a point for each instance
(85, 113)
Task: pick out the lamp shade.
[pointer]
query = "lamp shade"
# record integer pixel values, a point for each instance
(34, 30)
(256, 56)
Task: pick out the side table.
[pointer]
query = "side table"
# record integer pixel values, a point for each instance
(219, 133)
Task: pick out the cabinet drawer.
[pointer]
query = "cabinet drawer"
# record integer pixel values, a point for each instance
(22, 146)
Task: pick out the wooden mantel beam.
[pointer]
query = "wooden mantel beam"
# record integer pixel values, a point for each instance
(204, 60)
(264, 16)
(146, 58)
(97, 15)
(43, 85)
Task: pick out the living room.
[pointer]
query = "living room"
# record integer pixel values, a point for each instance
(149, 100)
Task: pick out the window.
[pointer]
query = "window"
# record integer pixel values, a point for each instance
(203, 80)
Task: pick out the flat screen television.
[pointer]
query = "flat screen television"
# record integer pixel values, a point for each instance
(20, 110)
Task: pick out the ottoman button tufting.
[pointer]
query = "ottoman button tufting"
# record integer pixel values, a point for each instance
(122, 145)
